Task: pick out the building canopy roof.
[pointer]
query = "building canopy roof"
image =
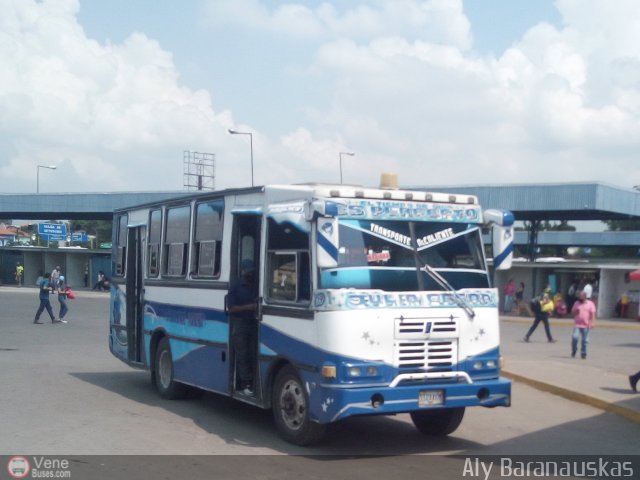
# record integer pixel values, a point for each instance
(528, 202)
(561, 201)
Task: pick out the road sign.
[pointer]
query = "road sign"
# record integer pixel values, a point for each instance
(53, 229)
(49, 237)
(79, 237)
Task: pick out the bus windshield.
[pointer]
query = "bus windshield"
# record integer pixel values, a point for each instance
(381, 255)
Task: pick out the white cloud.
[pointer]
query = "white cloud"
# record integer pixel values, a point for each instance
(555, 106)
(115, 115)
(405, 92)
(441, 21)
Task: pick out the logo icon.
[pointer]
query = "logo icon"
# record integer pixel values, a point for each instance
(327, 228)
(18, 467)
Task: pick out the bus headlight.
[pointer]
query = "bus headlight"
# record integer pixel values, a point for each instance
(361, 371)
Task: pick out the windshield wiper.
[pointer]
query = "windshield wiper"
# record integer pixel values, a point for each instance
(457, 298)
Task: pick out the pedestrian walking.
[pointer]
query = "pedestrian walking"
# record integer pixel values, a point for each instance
(584, 317)
(63, 295)
(633, 381)
(45, 290)
(19, 274)
(541, 311)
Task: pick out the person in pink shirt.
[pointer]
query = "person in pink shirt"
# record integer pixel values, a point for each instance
(509, 293)
(584, 317)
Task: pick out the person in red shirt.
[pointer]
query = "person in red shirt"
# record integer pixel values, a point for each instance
(584, 318)
(509, 293)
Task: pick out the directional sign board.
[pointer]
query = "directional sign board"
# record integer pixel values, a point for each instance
(53, 231)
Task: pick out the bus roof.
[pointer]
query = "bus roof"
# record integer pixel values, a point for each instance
(318, 190)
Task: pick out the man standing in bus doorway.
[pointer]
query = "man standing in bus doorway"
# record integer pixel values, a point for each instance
(242, 307)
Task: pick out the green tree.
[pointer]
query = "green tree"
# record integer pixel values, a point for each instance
(100, 228)
(622, 225)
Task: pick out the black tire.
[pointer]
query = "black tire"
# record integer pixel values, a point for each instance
(440, 422)
(163, 373)
(290, 405)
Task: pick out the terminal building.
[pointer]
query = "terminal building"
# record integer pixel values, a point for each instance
(531, 204)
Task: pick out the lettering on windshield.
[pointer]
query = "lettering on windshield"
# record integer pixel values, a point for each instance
(390, 234)
(406, 240)
(435, 237)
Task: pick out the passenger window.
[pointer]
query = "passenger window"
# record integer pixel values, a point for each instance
(207, 243)
(176, 242)
(121, 246)
(155, 231)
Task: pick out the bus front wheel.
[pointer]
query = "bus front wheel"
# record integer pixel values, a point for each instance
(290, 405)
(163, 373)
(438, 422)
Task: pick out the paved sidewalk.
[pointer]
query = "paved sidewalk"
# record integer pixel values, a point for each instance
(598, 382)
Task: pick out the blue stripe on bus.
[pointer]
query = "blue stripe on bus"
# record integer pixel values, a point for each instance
(503, 255)
(328, 247)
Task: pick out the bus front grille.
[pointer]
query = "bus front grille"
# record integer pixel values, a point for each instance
(434, 355)
(412, 327)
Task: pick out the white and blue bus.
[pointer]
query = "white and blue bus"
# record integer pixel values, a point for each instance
(368, 301)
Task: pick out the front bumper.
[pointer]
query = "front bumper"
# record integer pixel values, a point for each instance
(329, 403)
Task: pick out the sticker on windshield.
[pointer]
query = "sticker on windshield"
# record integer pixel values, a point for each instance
(383, 256)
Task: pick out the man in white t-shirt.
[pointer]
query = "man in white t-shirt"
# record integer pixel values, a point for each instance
(588, 289)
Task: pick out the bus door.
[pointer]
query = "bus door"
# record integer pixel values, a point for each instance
(135, 292)
(244, 328)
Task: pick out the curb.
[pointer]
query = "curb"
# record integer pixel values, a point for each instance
(628, 413)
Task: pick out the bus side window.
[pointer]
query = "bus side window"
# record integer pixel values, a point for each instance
(121, 246)
(155, 232)
(176, 241)
(288, 271)
(207, 240)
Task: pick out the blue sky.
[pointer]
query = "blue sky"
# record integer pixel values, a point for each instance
(440, 91)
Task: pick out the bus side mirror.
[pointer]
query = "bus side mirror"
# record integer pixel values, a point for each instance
(502, 237)
(502, 247)
(328, 242)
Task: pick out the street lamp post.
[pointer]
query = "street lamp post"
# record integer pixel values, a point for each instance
(351, 154)
(234, 132)
(50, 167)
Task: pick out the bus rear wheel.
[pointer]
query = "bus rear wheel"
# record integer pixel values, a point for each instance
(163, 373)
(290, 405)
(438, 422)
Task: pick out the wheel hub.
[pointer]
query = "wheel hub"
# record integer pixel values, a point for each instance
(293, 405)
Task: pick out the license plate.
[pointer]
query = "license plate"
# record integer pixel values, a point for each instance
(427, 398)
